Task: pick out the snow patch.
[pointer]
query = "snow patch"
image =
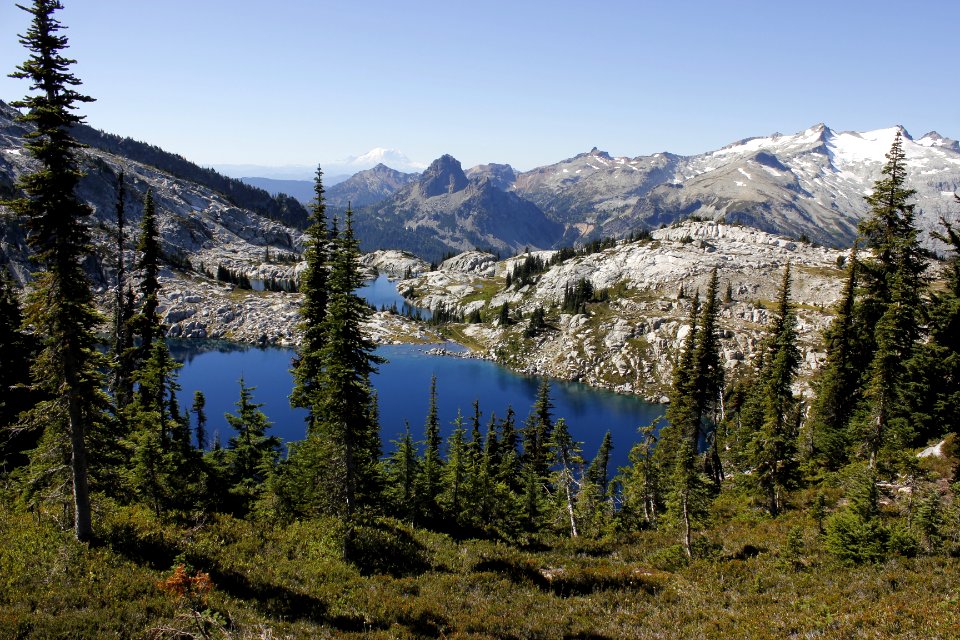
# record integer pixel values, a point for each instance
(741, 170)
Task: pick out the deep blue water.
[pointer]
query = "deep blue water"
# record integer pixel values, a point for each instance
(403, 387)
(382, 293)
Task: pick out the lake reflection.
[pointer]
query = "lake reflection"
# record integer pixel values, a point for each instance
(403, 386)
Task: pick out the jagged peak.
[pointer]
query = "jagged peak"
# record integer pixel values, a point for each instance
(444, 175)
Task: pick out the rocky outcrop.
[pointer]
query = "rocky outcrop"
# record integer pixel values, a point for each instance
(630, 342)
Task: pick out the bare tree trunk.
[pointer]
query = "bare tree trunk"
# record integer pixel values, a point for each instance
(82, 527)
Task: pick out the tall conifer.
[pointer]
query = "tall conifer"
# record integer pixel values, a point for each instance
(61, 303)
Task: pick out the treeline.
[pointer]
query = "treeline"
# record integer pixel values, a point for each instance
(281, 207)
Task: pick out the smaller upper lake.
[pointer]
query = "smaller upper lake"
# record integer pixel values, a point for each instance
(382, 293)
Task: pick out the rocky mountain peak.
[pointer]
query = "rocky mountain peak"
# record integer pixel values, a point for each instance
(444, 175)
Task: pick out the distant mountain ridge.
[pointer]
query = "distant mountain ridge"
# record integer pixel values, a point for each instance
(368, 187)
(444, 210)
(807, 184)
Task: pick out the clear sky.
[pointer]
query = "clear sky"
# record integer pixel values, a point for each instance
(524, 82)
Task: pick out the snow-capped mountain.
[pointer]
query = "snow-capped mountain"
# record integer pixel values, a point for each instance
(393, 158)
(811, 183)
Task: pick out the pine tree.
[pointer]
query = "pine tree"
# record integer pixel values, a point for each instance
(60, 306)
(537, 435)
(313, 286)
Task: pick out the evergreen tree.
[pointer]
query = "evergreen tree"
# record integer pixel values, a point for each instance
(566, 451)
(252, 455)
(165, 469)
(455, 475)
(837, 385)
(707, 384)
(537, 435)
(336, 470)
(15, 354)
(122, 348)
(855, 534)
(401, 475)
(313, 310)
(61, 305)
(893, 283)
(774, 445)
(688, 495)
(681, 413)
(343, 398)
(932, 391)
(641, 480)
(503, 319)
(431, 467)
(199, 404)
(147, 322)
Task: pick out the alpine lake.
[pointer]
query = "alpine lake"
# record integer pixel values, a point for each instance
(403, 390)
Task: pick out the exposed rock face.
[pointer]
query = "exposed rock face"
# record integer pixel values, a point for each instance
(368, 187)
(196, 223)
(444, 210)
(630, 343)
(502, 176)
(394, 263)
(811, 183)
(444, 175)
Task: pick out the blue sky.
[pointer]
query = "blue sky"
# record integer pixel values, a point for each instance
(528, 83)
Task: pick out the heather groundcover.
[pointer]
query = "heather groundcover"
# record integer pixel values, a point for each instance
(230, 578)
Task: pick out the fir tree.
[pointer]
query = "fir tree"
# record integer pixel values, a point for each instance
(61, 304)
(147, 322)
(313, 286)
(431, 467)
(165, 470)
(15, 354)
(837, 385)
(455, 474)
(893, 282)
(641, 480)
(252, 455)
(122, 383)
(688, 495)
(773, 450)
(566, 451)
(343, 398)
(199, 404)
(401, 476)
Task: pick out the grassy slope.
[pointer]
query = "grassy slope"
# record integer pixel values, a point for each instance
(414, 583)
